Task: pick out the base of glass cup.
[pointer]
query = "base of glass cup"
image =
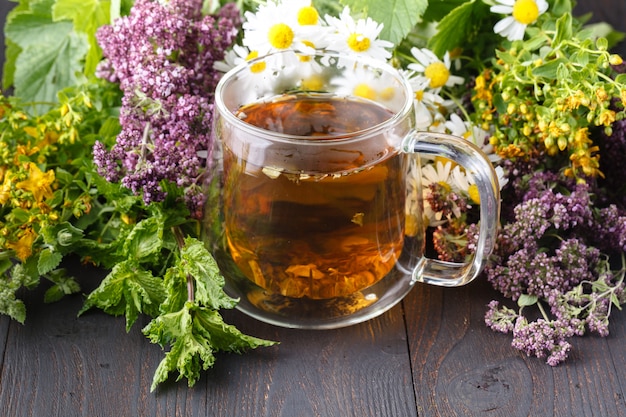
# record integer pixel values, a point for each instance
(306, 313)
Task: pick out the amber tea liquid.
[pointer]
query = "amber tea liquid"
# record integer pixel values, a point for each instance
(315, 234)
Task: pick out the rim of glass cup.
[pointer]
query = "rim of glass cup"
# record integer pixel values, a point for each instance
(397, 117)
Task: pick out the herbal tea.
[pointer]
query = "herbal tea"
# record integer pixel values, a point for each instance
(315, 234)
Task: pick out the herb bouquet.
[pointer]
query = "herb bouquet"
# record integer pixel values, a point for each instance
(105, 136)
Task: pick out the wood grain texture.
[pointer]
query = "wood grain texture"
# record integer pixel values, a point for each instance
(461, 368)
(62, 365)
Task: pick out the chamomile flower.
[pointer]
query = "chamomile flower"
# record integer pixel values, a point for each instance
(426, 104)
(438, 174)
(473, 133)
(357, 37)
(256, 77)
(437, 72)
(233, 57)
(274, 27)
(521, 13)
(465, 183)
(362, 82)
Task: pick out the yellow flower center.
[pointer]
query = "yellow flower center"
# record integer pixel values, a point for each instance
(444, 185)
(313, 83)
(437, 73)
(304, 57)
(419, 95)
(308, 16)
(365, 91)
(280, 36)
(258, 67)
(358, 42)
(473, 193)
(387, 93)
(525, 11)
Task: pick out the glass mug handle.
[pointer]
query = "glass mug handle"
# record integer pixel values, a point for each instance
(469, 156)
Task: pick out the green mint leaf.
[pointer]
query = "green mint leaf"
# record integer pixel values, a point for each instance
(195, 333)
(175, 282)
(48, 261)
(128, 289)
(145, 239)
(63, 285)
(198, 262)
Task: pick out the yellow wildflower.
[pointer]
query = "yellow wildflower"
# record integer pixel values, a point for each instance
(7, 185)
(606, 117)
(24, 246)
(38, 183)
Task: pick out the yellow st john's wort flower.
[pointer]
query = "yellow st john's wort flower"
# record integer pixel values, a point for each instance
(24, 246)
(38, 182)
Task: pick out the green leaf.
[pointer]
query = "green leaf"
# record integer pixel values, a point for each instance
(48, 260)
(175, 282)
(128, 289)
(459, 27)
(62, 236)
(11, 53)
(63, 285)
(550, 69)
(42, 70)
(50, 56)
(526, 300)
(195, 333)
(146, 238)
(397, 16)
(87, 16)
(10, 305)
(198, 262)
(564, 29)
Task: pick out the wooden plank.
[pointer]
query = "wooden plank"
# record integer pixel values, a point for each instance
(462, 368)
(58, 364)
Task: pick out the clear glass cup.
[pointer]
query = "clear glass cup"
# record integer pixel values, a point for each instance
(314, 209)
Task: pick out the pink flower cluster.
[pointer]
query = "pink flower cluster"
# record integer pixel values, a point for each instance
(162, 56)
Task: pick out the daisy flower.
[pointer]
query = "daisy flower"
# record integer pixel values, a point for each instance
(257, 78)
(367, 83)
(276, 27)
(439, 174)
(479, 137)
(464, 182)
(431, 68)
(521, 13)
(426, 104)
(357, 37)
(233, 57)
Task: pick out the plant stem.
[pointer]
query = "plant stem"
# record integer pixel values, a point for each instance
(180, 241)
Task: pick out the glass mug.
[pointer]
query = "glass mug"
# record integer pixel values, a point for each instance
(314, 210)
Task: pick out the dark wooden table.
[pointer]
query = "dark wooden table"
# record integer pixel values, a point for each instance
(431, 355)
